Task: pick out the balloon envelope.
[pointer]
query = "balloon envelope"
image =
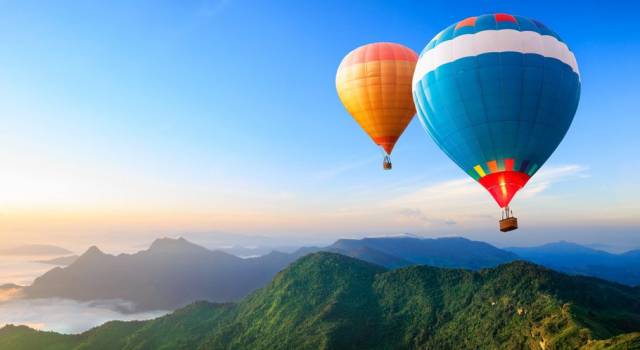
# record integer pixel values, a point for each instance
(374, 84)
(497, 93)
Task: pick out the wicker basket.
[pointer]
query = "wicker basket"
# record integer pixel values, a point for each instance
(508, 224)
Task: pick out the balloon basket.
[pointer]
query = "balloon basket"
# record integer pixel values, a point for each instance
(386, 164)
(508, 224)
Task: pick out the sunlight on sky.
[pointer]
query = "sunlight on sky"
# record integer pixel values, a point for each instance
(202, 116)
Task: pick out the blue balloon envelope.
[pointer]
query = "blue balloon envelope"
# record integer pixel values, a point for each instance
(497, 93)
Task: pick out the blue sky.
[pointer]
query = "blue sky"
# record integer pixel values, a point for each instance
(146, 118)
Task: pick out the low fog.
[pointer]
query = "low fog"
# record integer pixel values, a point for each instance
(68, 316)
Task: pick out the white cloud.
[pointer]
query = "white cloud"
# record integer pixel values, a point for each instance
(68, 316)
(548, 176)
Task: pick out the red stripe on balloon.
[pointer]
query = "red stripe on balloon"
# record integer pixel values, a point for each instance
(467, 22)
(386, 142)
(380, 52)
(503, 17)
(509, 164)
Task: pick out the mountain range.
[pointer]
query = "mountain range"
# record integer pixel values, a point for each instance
(576, 259)
(330, 301)
(59, 261)
(175, 272)
(168, 275)
(392, 252)
(571, 258)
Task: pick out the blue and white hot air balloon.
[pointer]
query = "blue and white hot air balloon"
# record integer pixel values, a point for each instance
(497, 93)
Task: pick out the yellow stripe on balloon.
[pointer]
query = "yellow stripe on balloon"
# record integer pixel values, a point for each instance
(479, 170)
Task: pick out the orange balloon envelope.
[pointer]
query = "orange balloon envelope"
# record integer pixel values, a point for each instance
(374, 84)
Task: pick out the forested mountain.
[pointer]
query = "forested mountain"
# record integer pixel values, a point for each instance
(175, 272)
(330, 301)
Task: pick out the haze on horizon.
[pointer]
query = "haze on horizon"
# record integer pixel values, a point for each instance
(123, 122)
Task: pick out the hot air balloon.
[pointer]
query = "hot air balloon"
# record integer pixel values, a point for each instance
(374, 84)
(497, 93)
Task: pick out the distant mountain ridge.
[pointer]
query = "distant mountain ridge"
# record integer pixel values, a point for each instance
(35, 249)
(394, 252)
(176, 272)
(576, 259)
(168, 275)
(9, 286)
(330, 301)
(458, 252)
(60, 261)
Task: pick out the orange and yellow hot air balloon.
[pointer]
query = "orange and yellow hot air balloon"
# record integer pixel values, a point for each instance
(374, 84)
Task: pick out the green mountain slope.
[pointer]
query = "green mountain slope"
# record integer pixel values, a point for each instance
(25, 338)
(330, 301)
(320, 302)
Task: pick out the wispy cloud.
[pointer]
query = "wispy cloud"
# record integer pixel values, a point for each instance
(419, 215)
(451, 206)
(463, 201)
(548, 176)
(8, 292)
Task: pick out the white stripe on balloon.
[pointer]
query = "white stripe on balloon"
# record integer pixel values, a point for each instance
(487, 41)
